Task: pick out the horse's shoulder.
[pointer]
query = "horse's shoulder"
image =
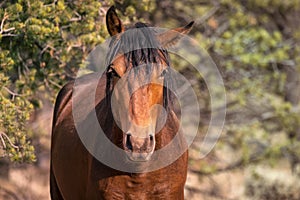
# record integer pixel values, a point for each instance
(83, 86)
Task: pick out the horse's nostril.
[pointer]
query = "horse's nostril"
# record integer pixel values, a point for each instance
(151, 137)
(128, 142)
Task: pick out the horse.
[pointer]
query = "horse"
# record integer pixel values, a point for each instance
(75, 173)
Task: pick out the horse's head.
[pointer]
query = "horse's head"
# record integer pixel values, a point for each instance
(137, 78)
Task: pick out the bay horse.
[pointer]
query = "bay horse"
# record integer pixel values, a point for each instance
(75, 174)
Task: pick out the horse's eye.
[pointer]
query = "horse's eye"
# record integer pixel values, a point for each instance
(113, 72)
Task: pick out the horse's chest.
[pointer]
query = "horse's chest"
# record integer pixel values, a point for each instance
(166, 183)
(139, 188)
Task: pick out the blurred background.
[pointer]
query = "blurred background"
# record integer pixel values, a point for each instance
(255, 44)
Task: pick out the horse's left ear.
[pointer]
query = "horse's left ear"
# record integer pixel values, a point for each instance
(172, 37)
(113, 22)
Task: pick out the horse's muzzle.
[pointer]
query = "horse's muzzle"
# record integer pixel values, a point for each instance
(138, 149)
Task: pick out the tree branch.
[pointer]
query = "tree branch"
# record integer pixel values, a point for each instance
(75, 19)
(2, 30)
(9, 35)
(12, 93)
(208, 15)
(9, 29)
(2, 134)
(53, 83)
(5, 17)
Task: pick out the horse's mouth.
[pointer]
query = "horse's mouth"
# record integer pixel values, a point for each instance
(138, 157)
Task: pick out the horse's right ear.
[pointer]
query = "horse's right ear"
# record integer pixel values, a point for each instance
(113, 23)
(172, 37)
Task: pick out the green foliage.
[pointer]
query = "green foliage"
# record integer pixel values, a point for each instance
(42, 45)
(252, 46)
(274, 4)
(252, 58)
(254, 43)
